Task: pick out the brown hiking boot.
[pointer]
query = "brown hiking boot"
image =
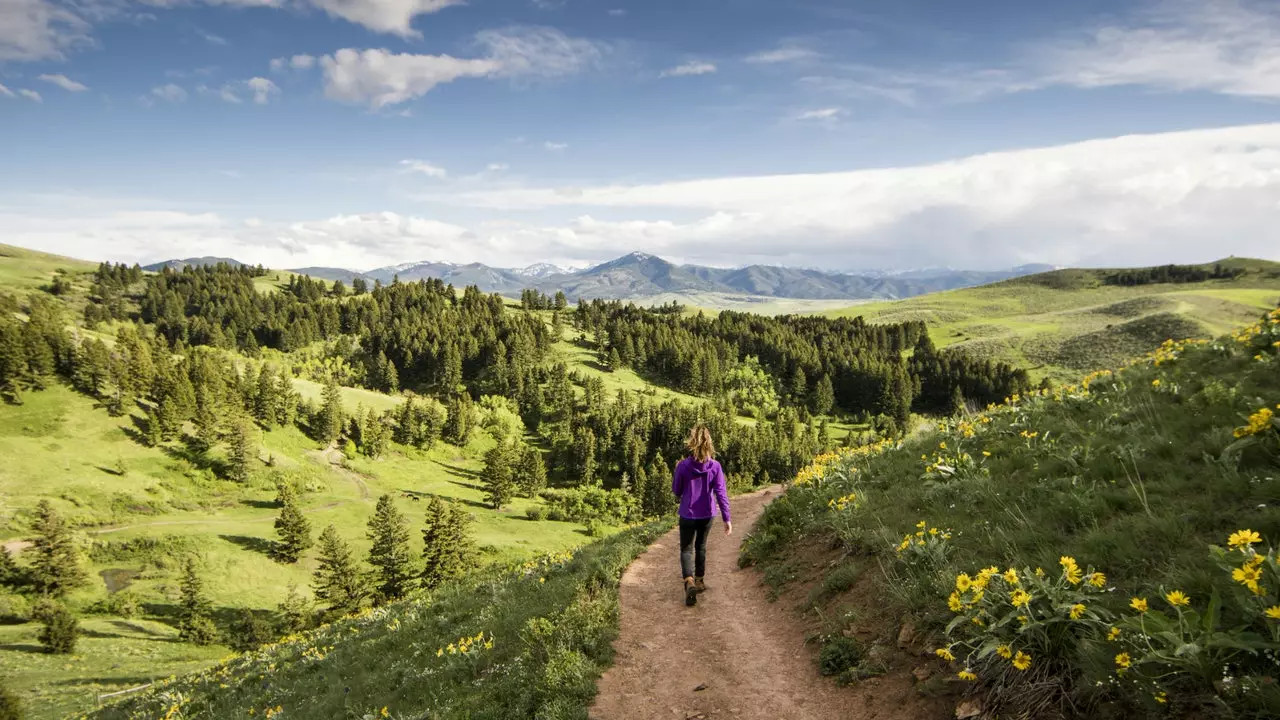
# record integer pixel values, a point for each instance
(699, 585)
(690, 592)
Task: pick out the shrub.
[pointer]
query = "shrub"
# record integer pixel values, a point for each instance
(840, 656)
(249, 632)
(14, 608)
(10, 706)
(591, 502)
(536, 512)
(125, 604)
(61, 629)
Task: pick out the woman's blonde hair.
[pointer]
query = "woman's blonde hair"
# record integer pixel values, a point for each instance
(699, 443)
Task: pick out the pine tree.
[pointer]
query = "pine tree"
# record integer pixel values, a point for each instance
(239, 451)
(530, 472)
(206, 420)
(585, 462)
(250, 632)
(457, 428)
(295, 611)
(823, 396)
(265, 402)
(447, 545)
(331, 419)
(11, 574)
(497, 477)
(958, 405)
(292, 528)
(337, 579)
(658, 499)
(195, 621)
(154, 427)
(389, 553)
(56, 569)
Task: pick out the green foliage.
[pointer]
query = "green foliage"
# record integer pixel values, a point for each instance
(195, 622)
(498, 476)
(537, 635)
(337, 579)
(1132, 473)
(591, 503)
(530, 472)
(249, 632)
(448, 550)
(60, 630)
(56, 568)
(10, 705)
(292, 527)
(389, 553)
(331, 418)
(240, 451)
(839, 656)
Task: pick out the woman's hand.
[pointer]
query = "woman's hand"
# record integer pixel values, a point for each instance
(728, 528)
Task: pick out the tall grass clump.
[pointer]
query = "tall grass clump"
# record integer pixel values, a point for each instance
(525, 640)
(1102, 549)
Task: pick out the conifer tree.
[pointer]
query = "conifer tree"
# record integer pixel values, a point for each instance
(337, 580)
(265, 402)
(958, 405)
(447, 545)
(823, 396)
(498, 478)
(658, 499)
(56, 568)
(295, 611)
(11, 574)
(239, 451)
(457, 429)
(206, 420)
(389, 553)
(331, 419)
(292, 527)
(250, 632)
(60, 629)
(195, 621)
(154, 427)
(530, 472)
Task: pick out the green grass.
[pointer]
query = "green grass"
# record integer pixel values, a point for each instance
(585, 361)
(1060, 324)
(23, 270)
(1134, 478)
(551, 629)
(59, 446)
(352, 398)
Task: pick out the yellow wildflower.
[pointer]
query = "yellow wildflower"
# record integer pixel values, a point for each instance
(1243, 538)
(1139, 604)
(1273, 612)
(1112, 634)
(1097, 579)
(1123, 661)
(1011, 576)
(966, 674)
(963, 582)
(1005, 652)
(986, 453)
(945, 654)
(1077, 611)
(1162, 697)
(1021, 661)
(1020, 598)
(1178, 598)
(921, 524)
(384, 712)
(954, 602)
(1155, 383)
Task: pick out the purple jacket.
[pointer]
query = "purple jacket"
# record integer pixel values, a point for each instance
(698, 485)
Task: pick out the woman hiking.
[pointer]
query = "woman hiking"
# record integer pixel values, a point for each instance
(699, 483)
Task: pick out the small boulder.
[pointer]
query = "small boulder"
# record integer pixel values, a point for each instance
(906, 636)
(970, 708)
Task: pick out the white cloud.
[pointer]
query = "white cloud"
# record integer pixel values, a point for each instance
(1224, 46)
(821, 114)
(1137, 199)
(386, 16)
(379, 78)
(555, 146)
(262, 89)
(6, 92)
(297, 62)
(382, 78)
(63, 82)
(786, 54)
(689, 68)
(211, 38)
(497, 167)
(39, 30)
(31, 95)
(539, 51)
(424, 167)
(170, 93)
(617, 12)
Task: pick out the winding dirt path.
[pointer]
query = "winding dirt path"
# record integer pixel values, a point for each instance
(735, 655)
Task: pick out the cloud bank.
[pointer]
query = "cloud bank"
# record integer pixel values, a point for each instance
(1141, 199)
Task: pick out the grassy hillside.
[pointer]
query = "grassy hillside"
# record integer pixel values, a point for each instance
(1099, 508)
(521, 642)
(23, 269)
(1066, 322)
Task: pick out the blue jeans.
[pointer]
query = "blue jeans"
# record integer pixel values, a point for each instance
(693, 544)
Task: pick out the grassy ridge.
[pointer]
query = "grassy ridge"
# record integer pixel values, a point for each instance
(1134, 474)
(1064, 323)
(539, 635)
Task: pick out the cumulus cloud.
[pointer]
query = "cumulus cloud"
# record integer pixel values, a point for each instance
(386, 16)
(297, 62)
(64, 82)
(262, 89)
(786, 54)
(555, 146)
(424, 167)
(170, 93)
(6, 92)
(259, 88)
(689, 68)
(31, 95)
(39, 30)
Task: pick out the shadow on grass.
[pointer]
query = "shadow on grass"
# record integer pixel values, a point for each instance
(419, 495)
(132, 681)
(458, 471)
(110, 471)
(127, 626)
(254, 544)
(24, 647)
(261, 504)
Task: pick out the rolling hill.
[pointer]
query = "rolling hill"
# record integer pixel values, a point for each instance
(1063, 323)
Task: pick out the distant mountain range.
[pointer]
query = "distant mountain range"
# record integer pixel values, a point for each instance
(641, 275)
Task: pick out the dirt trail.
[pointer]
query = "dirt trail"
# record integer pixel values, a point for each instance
(748, 652)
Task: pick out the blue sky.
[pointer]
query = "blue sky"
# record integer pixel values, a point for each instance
(846, 135)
